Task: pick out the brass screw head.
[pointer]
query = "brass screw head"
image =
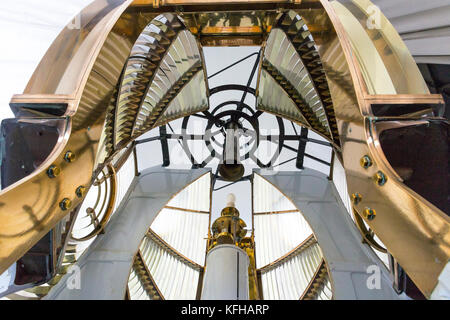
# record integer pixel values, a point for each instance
(356, 198)
(53, 171)
(370, 214)
(69, 156)
(65, 204)
(81, 191)
(380, 178)
(366, 162)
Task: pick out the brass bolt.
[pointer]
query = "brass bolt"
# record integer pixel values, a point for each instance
(81, 191)
(366, 162)
(53, 171)
(69, 156)
(369, 214)
(65, 204)
(380, 178)
(356, 198)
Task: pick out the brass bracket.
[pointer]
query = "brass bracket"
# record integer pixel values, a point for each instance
(367, 234)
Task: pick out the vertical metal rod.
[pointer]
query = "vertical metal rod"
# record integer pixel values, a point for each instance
(164, 146)
(136, 168)
(301, 148)
(250, 79)
(330, 177)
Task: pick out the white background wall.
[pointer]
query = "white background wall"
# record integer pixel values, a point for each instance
(27, 29)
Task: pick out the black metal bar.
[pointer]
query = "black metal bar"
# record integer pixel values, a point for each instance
(164, 146)
(225, 87)
(211, 118)
(284, 162)
(301, 148)
(293, 127)
(330, 176)
(136, 164)
(307, 155)
(230, 184)
(257, 114)
(250, 79)
(147, 140)
(177, 136)
(214, 179)
(199, 116)
(233, 64)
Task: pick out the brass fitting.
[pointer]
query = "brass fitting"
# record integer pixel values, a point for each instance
(228, 228)
(69, 156)
(53, 171)
(356, 198)
(81, 191)
(370, 214)
(65, 204)
(380, 178)
(366, 162)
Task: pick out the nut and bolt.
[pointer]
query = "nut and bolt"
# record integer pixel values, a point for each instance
(65, 204)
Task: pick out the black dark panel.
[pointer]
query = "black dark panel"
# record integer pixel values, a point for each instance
(420, 155)
(393, 110)
(26, 144)
(38, 109)
(36, 265)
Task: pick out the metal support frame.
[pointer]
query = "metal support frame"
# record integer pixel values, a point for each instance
(301, 148)
(164, 146)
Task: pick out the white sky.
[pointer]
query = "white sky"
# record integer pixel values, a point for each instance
(27, 29)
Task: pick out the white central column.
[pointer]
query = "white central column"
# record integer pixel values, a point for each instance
(226, 275)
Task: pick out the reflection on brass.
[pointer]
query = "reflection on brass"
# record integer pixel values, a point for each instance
(69, 156)
(65, 204)
(365, 162)
(369, 214)
(228, 228)
(356, 198)
(81, 191)
(53, 171)
(248, 245)
(380, 178)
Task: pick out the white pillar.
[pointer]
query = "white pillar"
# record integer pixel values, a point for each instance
(226, 275)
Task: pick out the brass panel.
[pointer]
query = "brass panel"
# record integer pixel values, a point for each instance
(414, 231)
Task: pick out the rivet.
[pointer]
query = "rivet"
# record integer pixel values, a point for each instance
(369, 214)
(69, 156)
(356, 198)
(380, 178)
(65, 204)
(81, 191)
(53, 171)
(366, 162)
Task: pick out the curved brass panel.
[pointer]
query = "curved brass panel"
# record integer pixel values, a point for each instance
(413, 230)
